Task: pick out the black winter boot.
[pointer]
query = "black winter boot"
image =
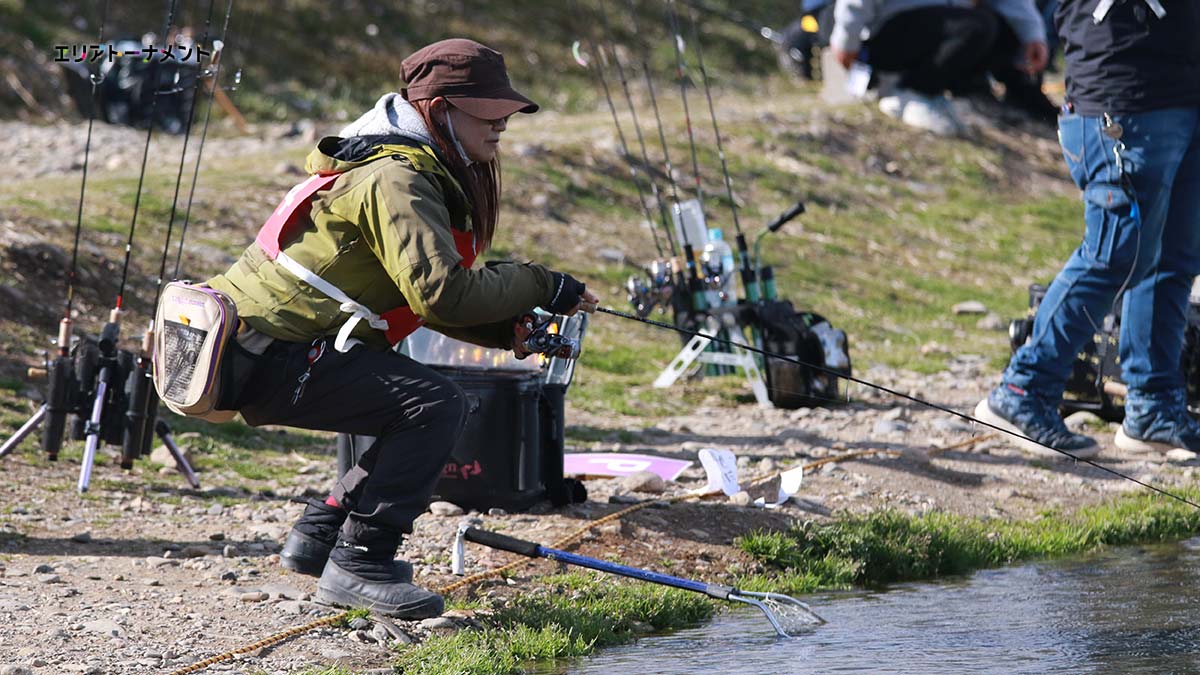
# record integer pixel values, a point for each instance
(362, 574)
(312, 538)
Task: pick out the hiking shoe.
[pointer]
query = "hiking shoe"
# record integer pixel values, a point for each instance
(1037, 419)
(362, 574)
(1158, 423)
(313, 537)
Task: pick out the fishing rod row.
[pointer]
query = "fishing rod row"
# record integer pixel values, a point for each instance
(98, 392)
(695, 276)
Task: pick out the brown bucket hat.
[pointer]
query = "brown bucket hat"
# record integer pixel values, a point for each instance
(469, 75)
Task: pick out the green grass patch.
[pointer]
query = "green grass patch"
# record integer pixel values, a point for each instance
(890, 546)
(568, 616)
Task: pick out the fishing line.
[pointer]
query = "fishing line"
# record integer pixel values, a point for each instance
(215, 64)
(893, 392)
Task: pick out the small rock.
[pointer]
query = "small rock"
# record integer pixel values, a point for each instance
(1179, 455)
(43, 569)
(896, 413)
(82, 538)
(49, 579)
(830, 468)
(439, 623)
(359, 623)
(252, 596)
(933, 349)
(217, 536)
(445, 509)
(161, 455)
(215, 510)
(611, 256)
(970, 307)
(229, 551)
(741, 498)
(991, 322)
(104, 627)
(497, 511)
(362, 636)
(15, 670)
(291, 607)
(643, 481)
(641, 627)
(768, 465)
(380, 634)
(623, 499)
(884, 427)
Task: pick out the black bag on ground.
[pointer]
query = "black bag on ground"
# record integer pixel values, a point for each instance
(810, 338)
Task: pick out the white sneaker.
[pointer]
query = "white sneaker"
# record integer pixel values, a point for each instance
(893, 104)
(933, 114)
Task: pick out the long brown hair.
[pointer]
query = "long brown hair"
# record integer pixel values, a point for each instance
(480, 181)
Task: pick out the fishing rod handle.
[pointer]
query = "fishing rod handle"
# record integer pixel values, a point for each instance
(786, 216)
(502, 542)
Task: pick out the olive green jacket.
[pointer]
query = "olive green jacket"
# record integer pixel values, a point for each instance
(382, 234)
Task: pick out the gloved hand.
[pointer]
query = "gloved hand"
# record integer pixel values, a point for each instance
(568, 293)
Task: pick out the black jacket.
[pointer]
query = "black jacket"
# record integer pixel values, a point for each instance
(1132, 61)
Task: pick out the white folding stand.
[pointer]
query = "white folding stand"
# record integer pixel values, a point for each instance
(693, 353)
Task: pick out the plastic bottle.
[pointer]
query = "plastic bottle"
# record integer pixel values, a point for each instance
(719, 266)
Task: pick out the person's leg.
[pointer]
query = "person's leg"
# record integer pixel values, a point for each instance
(1118, 245)
(932, 47)
(416, 415)
(1155, 309)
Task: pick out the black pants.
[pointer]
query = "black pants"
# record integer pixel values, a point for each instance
(935, 49)
(415, 414)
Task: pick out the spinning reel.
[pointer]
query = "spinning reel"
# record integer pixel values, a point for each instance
(543, 339)
(654, 289)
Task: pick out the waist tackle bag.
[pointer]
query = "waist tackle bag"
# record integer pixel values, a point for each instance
(193, 327)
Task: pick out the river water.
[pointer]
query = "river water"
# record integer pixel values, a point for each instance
(1126, 611)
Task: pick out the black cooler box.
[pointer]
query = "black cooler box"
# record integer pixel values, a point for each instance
(510, 454)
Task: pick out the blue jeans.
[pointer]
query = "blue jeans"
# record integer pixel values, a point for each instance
(1155, 256)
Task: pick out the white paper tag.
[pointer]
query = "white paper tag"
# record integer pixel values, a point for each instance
(858, 79)
(789, 485)
(721, 468)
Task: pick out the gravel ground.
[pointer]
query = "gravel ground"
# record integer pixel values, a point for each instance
(134, 580)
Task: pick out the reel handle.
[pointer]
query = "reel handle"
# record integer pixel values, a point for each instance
(786, 216)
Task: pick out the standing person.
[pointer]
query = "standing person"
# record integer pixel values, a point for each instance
(380, 240)
(1130, 134)
(935, 46)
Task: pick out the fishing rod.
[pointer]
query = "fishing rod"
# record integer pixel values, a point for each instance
(215, 68)
(749, 278)
(637, 126)
(699, 302)
(141, 412)
(898, 394)
(62, 386)
(110, 359)
(634, 174)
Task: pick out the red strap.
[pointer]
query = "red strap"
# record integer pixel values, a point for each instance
(402, 321)
(280, 227)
